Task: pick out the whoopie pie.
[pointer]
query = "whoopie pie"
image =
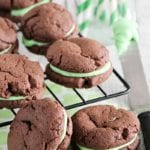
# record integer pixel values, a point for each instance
(40, 125)
(105, 128)
(78, 63)
(45, 24)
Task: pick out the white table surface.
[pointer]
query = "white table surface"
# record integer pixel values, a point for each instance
(143, 17)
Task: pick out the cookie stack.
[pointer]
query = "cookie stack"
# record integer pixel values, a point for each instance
(74, 61)
(48, 29)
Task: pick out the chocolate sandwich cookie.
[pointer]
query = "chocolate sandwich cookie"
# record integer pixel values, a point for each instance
(105, 128)
(8, 37)
(78, 63)
(16, 9)
(45, 24)
(20, 78)
(40, 125)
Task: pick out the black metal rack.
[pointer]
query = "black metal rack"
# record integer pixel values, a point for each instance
(84, 101)
(90, 101)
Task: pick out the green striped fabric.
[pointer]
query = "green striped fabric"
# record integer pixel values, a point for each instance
(113, 17)
(84, 25)
(100, 10)
(113, 11)
(110, 10)
(103, 15)
(105, 10)
(83, 6)
(97, 6)
(122, 8)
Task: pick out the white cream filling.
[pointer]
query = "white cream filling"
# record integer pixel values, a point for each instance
(70, 31)
(65, 128)
(6, 50)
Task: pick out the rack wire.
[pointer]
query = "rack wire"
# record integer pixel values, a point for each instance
(84, 101)
(105, 96)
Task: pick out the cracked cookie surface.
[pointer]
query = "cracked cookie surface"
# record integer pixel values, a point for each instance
(16, 4)
(79, 55)
(7, 5)
(39, 125)
(8, 35)
(47, 22)
(104, 127)
(20, 76)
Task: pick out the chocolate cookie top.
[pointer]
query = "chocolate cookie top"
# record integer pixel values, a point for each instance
(16, 4)
(39, 126)
(80, 55)
(8, 36)
(104, 127)
(20, 76)
(47, 22)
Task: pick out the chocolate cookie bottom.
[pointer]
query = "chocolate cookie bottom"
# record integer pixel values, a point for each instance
(40, 50)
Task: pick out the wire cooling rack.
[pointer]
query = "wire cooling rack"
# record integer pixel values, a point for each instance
(104, 94)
